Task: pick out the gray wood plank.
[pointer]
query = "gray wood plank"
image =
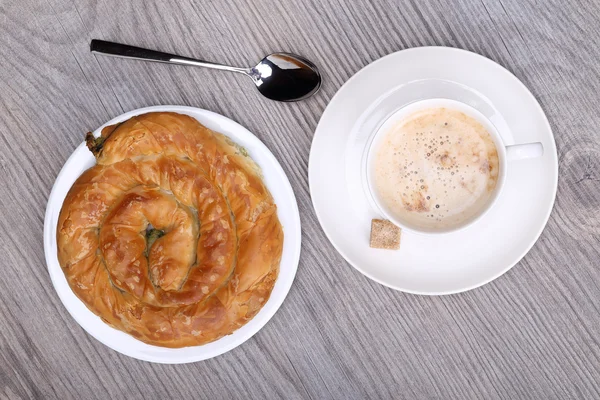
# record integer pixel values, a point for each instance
(530, 334)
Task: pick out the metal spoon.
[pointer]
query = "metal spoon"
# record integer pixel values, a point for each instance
(279, 76)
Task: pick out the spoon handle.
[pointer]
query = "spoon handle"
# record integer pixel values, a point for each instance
(137, 53)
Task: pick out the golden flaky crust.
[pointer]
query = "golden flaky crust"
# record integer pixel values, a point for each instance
(172, 237)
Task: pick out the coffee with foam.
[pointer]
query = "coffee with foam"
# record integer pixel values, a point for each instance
(435, 169)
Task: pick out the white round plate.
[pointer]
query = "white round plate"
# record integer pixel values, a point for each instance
(426, 264)
(287, 209)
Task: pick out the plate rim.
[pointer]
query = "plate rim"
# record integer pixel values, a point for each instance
(295, 248)
(312, 172)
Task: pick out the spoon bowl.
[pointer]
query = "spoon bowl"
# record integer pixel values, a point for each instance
(286, 77)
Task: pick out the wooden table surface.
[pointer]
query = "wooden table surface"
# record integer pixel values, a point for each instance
(532, 333)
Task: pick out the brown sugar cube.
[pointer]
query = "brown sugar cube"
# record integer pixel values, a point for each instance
(384, 235)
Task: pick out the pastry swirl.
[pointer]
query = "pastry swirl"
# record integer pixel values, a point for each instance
(172, 237)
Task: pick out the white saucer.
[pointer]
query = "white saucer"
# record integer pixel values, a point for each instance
(287, 209)
(448, 263)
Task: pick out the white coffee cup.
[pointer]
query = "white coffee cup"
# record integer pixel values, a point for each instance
(506, 154)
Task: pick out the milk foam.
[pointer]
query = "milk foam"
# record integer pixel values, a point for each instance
(435, 169)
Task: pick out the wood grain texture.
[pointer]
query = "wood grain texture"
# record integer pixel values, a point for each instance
(531, 334)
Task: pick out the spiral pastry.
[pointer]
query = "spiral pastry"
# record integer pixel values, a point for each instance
(172, 237)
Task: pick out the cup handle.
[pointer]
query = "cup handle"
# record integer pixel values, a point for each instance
(523, 151)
